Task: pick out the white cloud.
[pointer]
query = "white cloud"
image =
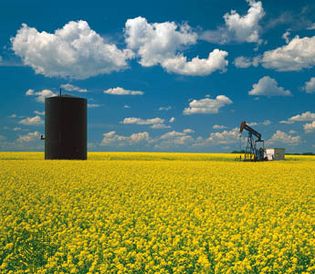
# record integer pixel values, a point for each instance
(310, 86)
(17, 129)
(158, 41)
(266, 122)
(309, 127)
(188, 130)
(122, 91)
(303, 117)
(197, 67)
(70, 87)
(93, 105)
(252, 124)
(281, 137)
(126, 106)
(298, 54)
(155, 123)
(246, 62)
(163, 43)
(30, 92)
(224, 137)
(74, 51)
(40, 95)
(246, 28)
(31, 121)
(268, 86)
(166, 108)
(207, 105)
(140, 121)
(168, 140)
(113, 138)
(39, 112)
(174, 138)
(239, 28)
(29, 137)
(218, 126)
(159, 126)
(172, 120)
(285, 36)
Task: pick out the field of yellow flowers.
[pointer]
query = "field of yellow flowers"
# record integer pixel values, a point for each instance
(156, 213)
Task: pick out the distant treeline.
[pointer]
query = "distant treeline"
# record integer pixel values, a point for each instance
(238, 151)
(304, 153)
(290, 153)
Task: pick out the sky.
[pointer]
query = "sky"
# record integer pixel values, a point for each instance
(161, 76)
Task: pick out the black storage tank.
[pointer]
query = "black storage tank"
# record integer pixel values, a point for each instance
(66, 127)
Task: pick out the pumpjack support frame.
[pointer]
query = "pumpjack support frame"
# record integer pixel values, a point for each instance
(255, 146)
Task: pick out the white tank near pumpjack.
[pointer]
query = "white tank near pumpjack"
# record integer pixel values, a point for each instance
(275, 153)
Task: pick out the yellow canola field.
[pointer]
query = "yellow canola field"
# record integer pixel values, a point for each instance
(156, 213)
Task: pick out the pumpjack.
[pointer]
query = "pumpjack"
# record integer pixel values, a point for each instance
(255, 147)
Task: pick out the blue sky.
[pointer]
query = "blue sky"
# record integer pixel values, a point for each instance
(166, 76)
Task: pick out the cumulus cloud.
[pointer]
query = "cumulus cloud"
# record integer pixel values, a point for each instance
(239, 28)
(309, 127)
(74, 51)
(160, 126)
(188, 130)
(252, 124)
(158, 41)
(174, 138)
(266, 122)
(285, 36)
(218, 126)
(40, 95)
(207, 105)
(163, 43)
(166, 108)
(169, 140)
(268, 86)
(303, 117)
(246, 62)
(281, 137)
(140, 121)
(93, 105)
(39, 112)
(70, 87)
(155, 123)
(197, 67)
(17, 129)
(224, 137)
(122, 91)
(187, 140)
(29, 137)
(310, 86)
(298, 54)
(31, 121)
(172, 120)
(112, 137)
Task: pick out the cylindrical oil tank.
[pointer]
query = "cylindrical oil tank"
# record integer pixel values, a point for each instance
(65, 127)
